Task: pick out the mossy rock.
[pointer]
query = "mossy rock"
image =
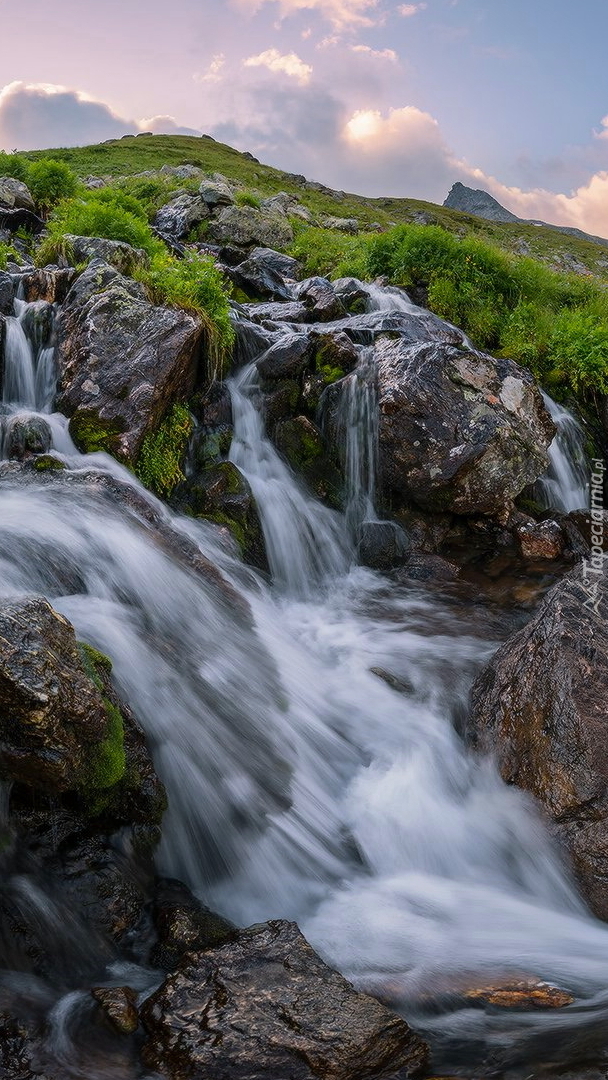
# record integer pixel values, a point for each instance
(48, 463)
(221, 494)
(302, 445)
(92, 434)
(161, 458)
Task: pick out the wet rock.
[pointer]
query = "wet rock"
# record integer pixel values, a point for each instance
(422, 566)
(287, 358)
(540, 707)
(37, 321)
(246, 226)
(459, 431)
(520, 994)
(351, 294)
(177, 218)
(411, 327)
(25, 436)
(323, 303)
(17, 1050)
(221, 494)
(381, 544)
(14, 194)
(540, 540)
(11, 221)
(303, 446)
(267, 1006)
(259, 280)
(51, 285)
(116, 253)
(120, 1006)
(292, 311)
(280, 401)
(184, 925)
(122, 361)
(284, 265)
(216, 192)
(7, 293)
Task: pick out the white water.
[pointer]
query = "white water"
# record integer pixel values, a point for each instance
(357, 422)
(565, 487)
(300, 784)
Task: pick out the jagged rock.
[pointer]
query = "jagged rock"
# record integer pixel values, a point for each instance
(246, 226)
(177, 218)
(541, 708)
(257, 278)
(51, 285)
(347, 225)
(411, 327)
(116, 253)
(284, 265)
(267, 1006)
(184, 925)
(540, 540)
(122, 361)
(351, 294)
(37, 321)
(321, 299)
(13, 220)
(14, 194)
(120, 1006)
(25, 436)
(477, 202)
(289, 205)
(216, 192)
(303, 446)
(459, 431)
(291, 311)
(287, 358)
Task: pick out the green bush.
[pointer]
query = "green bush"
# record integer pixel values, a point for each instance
(578, 351)
(6, 253)
(159, 466)
(118, 198)
(13, 165)
(193, 284)
(331, 252)
(107, 218)
(247, 198)
(50, 181)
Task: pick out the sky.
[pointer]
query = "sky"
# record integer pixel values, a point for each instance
(371, 96)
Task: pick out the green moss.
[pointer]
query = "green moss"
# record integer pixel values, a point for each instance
(48, 463)
(330, 374)
(109, 762)
(222, 519)
(92, 434)
(163, 451)
(95, 662)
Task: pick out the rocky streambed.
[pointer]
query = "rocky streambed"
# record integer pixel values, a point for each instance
(240, 727)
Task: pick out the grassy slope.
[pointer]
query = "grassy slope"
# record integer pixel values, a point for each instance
(134, 154)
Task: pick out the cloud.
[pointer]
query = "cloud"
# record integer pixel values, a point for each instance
(407, 10)
(214, 71)
(290, 64)
(166, 125)
(35, 116)
(603, 134)
(376, 54)
(342, 14)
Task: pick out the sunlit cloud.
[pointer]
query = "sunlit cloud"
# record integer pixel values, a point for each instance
(407, 10)
(342, 14)
(213, 73)
(375, 54)
(289, 64)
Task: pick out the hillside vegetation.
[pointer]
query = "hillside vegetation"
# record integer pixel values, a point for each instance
(518, 290)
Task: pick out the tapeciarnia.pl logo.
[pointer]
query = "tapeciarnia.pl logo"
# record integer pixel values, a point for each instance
(593, 567)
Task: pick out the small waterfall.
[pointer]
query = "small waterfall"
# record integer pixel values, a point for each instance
(388, 298)
(29, 357)
(357, 420)
(565, 486)
(306, 543)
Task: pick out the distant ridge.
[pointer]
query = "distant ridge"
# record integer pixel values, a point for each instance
(481, 204)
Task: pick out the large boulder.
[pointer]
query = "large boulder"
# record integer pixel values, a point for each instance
(122, 361)
(541, 708)
(459, 431)
(51, 284)
(246, 226)
(11, 220)
(117, 253)
(267, 1006)
(177, 218)
(14, 195)
(258, 279)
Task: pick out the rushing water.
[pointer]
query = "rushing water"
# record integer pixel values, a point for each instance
(566, 484)
(301, 784)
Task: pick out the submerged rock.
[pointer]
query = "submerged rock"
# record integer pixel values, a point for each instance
(184, 925)
(267, 1006)
(459, 431)
(541, 708)
(122, 361)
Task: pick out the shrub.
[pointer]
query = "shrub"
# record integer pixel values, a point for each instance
(163, 451)
(331, 252)
(13, 165)
(247, 198)
(118, 198)
(578, 351)
(105, 218)
(193, 284)
(50, 181)
(6, 253)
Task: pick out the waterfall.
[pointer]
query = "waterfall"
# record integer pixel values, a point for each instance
(565, 486)
(301, 784)
(29, 353)
(357, 422)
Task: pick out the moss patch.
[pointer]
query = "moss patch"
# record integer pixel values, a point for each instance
(48, 463)
(159, 466)
(92, 434)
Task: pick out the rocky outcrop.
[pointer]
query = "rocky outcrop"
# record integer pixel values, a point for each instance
(177, 218)
(541, 709)
(122, 361)
(477, 202)
(459, 431)
(116, 253)
(267, 1006)
(14, 195)
(247, 226)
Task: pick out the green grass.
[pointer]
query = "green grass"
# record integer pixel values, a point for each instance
(159, 466)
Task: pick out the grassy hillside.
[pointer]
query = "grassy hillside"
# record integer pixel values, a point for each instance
(136, 154)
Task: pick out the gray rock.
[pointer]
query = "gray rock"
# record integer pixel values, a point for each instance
(115, 252)
(14, 194)
(7, 293)
(287, 358)
(216, 193)
(321, 299)
(381, 544)
(477, 202)
(258, 279)
(346, 225)
(541, 708)
(289, 205)
(246, 225)
(122, 361)
(267, 1006)
(459, 431)
(177, 218)
(285, 265)
(26, 436)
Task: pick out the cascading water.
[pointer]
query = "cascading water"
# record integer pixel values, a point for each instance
(357, 421)
(300, 783)
(565, 486)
